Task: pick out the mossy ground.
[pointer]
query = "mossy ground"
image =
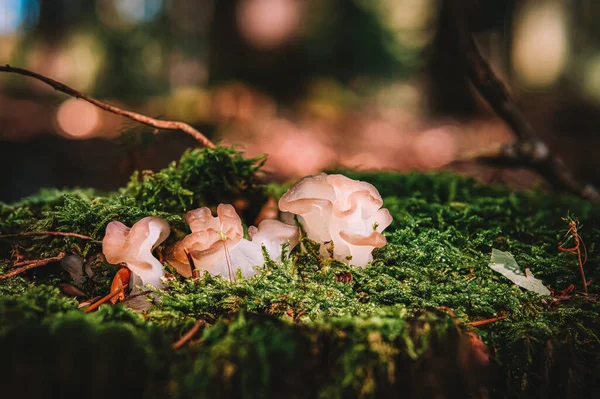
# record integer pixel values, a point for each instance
(294, 330)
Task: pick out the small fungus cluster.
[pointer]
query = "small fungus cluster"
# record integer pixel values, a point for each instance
(339, 212)
(217, 243)
(342, 214)
(133, 246)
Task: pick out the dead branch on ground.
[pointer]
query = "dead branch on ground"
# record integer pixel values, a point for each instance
(47, 233)
(485, 322)
(96, 305)
(30, 264)
(189, 335)
(529, 149)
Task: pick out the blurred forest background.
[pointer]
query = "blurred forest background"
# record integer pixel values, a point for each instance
(368, 84)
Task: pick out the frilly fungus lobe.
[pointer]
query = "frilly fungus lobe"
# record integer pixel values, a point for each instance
(217, 243)
(345, 212)
(133, 246)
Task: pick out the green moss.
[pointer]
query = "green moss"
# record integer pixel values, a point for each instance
(72, 355)
(256, 356)
(294, 330)
(204, 177)
(201, 178)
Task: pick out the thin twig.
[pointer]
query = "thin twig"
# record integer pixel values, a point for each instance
(299, 314)
(576, 249)
(477, 323)
(105, 299)
(146, 120)
(189, 335)
(529, 148)
(47, 233)
(30, 264)
(88, 302)
(480, 323)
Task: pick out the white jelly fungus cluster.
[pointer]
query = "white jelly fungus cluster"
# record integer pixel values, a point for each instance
(133, 246)
(217, 243)
(342, 214)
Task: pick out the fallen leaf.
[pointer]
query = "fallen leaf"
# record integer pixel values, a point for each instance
(505, 264)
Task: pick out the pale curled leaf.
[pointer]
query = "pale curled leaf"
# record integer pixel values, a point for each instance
(505, 264)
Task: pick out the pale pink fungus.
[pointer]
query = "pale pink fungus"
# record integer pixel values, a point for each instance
(273, 234)
(312, 198)
(133, 246)
(338, 210)
(216, 244)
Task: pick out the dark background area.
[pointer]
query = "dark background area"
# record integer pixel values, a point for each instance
(314, 83)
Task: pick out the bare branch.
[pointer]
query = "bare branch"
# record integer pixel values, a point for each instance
(529, 148)
(480, 323)
(96, 305)
(146, 120)
(32, 264)
(189, 335)
(48, 233)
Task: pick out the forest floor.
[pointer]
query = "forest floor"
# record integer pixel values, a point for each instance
(308, 326)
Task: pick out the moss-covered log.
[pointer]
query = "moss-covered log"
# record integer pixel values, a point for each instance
(297, 329)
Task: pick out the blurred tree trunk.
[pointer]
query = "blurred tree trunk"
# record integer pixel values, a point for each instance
(449, 91)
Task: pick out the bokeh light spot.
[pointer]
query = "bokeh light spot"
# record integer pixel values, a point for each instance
(137, 11)
(14, 14)
(77, 119)
(435, 148)
(540, 44)
(267, 24)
